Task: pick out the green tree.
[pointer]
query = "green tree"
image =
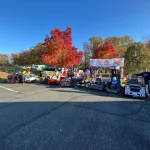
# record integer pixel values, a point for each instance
(137, 57)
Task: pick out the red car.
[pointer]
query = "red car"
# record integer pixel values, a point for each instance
(55, 81)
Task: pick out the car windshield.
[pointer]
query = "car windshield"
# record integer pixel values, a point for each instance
(136, 80)
(32, 75)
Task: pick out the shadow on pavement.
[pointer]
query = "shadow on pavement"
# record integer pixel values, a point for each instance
(75, 124)
(83, 89)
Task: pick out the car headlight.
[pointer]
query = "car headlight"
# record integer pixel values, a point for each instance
(127, 87)
(142, 89)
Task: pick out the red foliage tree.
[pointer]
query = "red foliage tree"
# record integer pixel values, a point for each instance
(105, 51)
(59, 49)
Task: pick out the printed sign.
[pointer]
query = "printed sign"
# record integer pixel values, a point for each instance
(116, 62)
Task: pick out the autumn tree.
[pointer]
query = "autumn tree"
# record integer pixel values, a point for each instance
(25, 57)
(89, 49)
(59, 49)
(36, 54)
(22, 58)
(148, 44)
(31, 56)
(94, 42)
(137, 57)
(120, 43)
(16, 58)
(3, 59)
(105, 51)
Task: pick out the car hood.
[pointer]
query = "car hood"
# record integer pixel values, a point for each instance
(130, 84)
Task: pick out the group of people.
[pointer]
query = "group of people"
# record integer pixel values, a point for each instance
(87, 73)
(115, 81)
(64, 75)
(24, 74)
(145, 74)
(19, 76)
(72, 77)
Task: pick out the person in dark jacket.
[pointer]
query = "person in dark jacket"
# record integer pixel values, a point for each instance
(119, 83)
(146, 75)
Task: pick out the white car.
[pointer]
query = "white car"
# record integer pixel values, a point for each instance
(30, 79)
(136, 87)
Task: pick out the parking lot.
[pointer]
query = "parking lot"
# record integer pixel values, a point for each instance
(43, 117)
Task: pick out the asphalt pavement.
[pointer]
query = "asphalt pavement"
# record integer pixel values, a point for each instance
(42, 117)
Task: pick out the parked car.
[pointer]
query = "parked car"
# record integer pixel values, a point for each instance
(136, 87)
(30, 79)
(14, 77)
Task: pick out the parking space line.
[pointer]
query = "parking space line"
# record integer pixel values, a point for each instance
(9, 89)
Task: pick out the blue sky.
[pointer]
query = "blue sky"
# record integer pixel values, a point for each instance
(24, 23)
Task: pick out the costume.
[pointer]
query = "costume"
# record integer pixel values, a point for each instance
(24, 74)
(114, 82)
(64, 72)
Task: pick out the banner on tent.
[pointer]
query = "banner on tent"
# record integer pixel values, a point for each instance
(118, 62)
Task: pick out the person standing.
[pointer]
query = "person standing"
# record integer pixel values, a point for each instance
(20, 77)
(119, 83)
(146, 75)
(23, 76)
(75, 78)
(91, 71)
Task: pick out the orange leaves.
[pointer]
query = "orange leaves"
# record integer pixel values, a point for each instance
(105, 51)
(60, 51)
(56, 50)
